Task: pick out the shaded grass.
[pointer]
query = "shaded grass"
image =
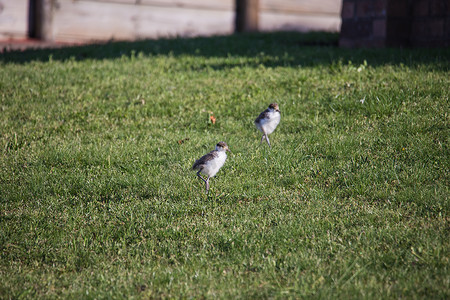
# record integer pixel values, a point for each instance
(98, 200)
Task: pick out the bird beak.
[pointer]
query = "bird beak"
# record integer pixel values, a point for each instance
(228, 150)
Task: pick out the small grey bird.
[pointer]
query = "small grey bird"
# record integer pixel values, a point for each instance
(209, 164)
(268, 120)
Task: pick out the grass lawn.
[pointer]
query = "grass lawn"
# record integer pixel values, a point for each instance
(98, 199)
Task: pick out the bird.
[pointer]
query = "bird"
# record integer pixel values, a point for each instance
(209, 164)
(268, 120)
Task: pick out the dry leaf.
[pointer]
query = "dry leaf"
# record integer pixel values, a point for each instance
(183, 140)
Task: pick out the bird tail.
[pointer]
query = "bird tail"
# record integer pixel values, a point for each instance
(196, 165)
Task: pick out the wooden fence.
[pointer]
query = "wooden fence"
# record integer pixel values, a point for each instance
(81, 20)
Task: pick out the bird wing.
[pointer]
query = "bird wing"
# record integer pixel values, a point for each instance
(263, 115)
(204, 159)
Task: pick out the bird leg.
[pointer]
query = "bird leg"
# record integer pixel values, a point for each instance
(198, 174)
(262, 139)
(205, 180)
(267, 139)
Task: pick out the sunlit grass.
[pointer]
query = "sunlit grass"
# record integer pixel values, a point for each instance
(98, 199)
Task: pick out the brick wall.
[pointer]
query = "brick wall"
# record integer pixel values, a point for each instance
(430, 24)
(395, 23)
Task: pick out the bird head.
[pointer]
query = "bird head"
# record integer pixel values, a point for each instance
(274, 106)
(222, 146)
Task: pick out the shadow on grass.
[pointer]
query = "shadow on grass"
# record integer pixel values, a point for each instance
(272, 50)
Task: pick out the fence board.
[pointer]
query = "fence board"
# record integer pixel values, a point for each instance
(13, 18)
(93, 20)
(294, 22)
(307, 7)
(198, 4)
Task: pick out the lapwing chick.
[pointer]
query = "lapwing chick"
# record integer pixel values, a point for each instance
(211, 163)
(268, 120)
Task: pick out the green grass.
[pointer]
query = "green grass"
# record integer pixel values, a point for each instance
(98, 199)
